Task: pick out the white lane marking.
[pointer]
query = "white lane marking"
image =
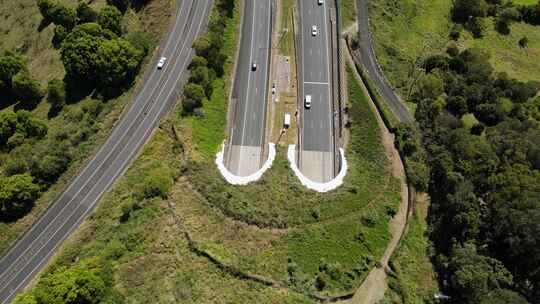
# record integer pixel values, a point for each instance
(328, 75)
(316, 82)
(114, 176)
(303, 89)
(138, 97)
(267, 41)
(249, 76)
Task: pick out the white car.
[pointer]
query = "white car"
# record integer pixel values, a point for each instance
(307, 101)
(161, 62)
(314, 30)
(253, 66)
(320, 2)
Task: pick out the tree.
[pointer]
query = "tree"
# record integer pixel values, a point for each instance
(10, 64)
(17, 193)
(198, 61)
(30, 126)
(26, 89)
(45, 7)
(140, 40)
(50, 161)
(25, 298)
(503, 296)
(193, 97)
(506, 16)
(473, 276)
(64, 16)
(202, 46)
(110, 18)
(457, 105)
(117, 62)
(21, 122)
(203, 76)
(523, 42)
(85, 13)
(120, 4)
(71, 286)
(56, 93)
(514, 224)
(463, 10)
(79, 56)
(429, 87)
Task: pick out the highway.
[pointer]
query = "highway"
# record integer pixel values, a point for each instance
(159, 93)
(316, 157)
(250, 90)
(369, 61)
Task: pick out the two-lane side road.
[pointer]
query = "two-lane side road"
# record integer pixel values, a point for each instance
(250, 91)
(369, 61)
(32, 251)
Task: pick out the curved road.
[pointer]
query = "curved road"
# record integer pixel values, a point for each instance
(369, 61)
(32, 251)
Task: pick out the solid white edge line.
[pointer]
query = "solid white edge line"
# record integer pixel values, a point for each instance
(316, 186)
(244, 180)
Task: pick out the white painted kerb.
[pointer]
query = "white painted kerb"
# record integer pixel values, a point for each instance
(244, 180)
(319, 187)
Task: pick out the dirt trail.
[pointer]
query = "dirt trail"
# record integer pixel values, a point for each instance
(374, 286)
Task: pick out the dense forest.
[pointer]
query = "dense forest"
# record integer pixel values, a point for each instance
(483, 177)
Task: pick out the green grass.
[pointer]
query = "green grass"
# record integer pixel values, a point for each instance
(19, 21)
(274, 228)
(506, 54)
(525, 2)
(262, 227)
(286, 27)
(413, 279)
(404, 31)
(348, 13)
(142, 239)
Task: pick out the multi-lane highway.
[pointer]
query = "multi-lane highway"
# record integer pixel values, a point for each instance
(159, 93)
(369, 61)
(316, 155)
(250, 91)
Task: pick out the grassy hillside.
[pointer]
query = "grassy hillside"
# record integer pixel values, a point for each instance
(86, 123)
(412, 279)
(506, 54)
(200, 240)
(404, 31)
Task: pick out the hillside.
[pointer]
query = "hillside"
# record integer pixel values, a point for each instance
(73, 121)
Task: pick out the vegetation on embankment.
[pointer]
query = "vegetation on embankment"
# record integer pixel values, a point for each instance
(160, 238)
(477, 111)
(313, 243)
(51, 120)
(412, 278)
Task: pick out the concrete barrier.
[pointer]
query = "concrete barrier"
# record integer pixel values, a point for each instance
(244, 180)
(316, 186)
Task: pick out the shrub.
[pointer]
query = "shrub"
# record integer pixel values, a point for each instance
(17, 193)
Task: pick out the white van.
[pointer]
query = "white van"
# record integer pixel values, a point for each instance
(287, 121)
(307, 101)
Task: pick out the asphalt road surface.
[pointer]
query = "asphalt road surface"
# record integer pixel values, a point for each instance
(250, 90)
(32, 251)
(316, 139)
(369, 61)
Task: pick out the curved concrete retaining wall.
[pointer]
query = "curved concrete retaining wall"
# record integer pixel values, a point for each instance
(244, 180)
(319, 187)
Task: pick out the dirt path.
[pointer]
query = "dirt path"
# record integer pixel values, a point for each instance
(374, 286)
